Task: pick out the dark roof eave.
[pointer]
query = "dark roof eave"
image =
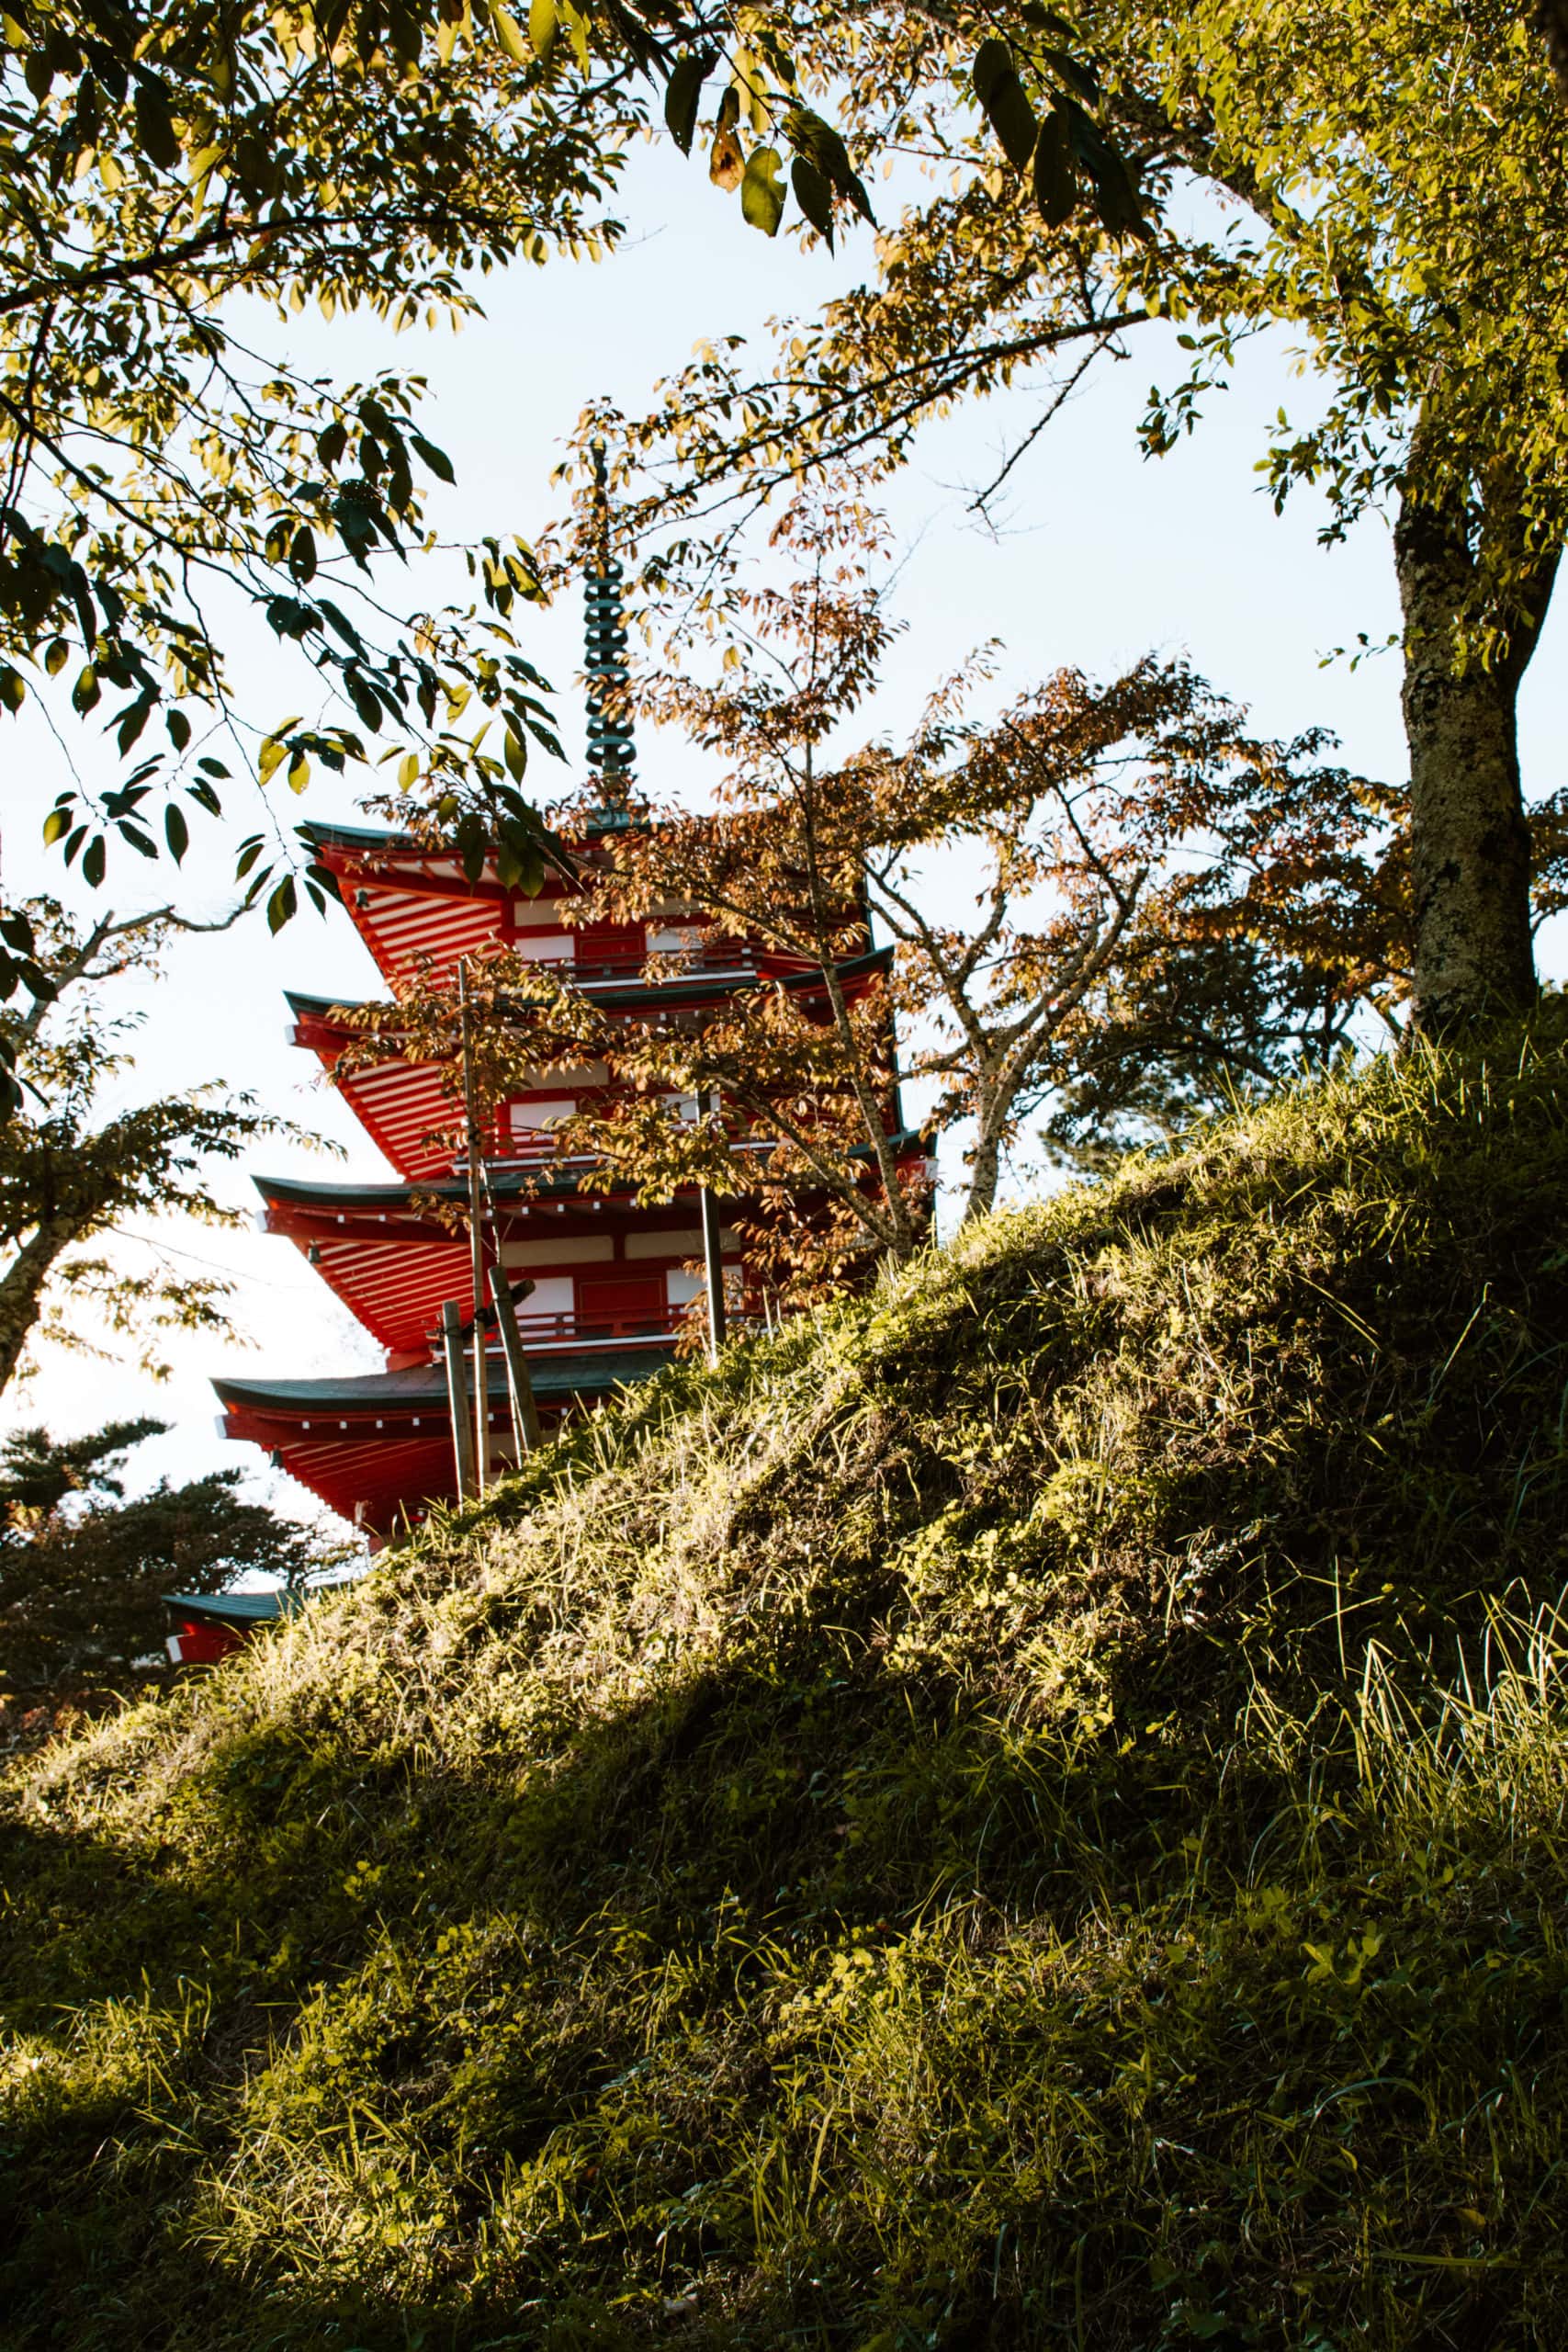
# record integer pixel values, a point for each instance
(361, 837)
(423, 1387)
(235, 1607)
(648, 991)
(522, 1184)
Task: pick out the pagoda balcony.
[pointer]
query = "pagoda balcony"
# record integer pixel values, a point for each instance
(593, 967)
(657, 1327)
(657, 1324)
(534, 1149)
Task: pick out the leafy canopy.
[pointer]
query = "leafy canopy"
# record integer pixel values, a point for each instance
(157, 464)
(1112, 904)
(371, 157)
(1389, 183)
(70, 1176)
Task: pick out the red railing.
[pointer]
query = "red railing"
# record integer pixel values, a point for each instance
(533, 1146)
(626, 963)
(570, 1329)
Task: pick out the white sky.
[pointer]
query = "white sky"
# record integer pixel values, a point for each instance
(1105, 558)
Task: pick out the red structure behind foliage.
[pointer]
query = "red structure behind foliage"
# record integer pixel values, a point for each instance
(612, 1284)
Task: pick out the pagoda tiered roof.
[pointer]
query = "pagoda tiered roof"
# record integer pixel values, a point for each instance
(373, 1445)
(414, 909)
(384, 1251)
(405, 1106)
(613, 1284)
(611, 1280)
(394, 1252)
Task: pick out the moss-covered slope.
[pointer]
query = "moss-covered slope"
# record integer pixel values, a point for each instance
(945, 1832)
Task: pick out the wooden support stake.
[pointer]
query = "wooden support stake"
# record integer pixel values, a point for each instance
(525, 1411)
(458, 1399)
(713, 1261)
(476, 1241)
(713, 1255)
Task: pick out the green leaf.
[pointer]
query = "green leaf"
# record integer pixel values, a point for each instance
(343, 626)
(762, 190)
(821, 145)
(302, 553)
(508, 35)
(814, 196)
(14, 687)
(177, 832)
(1081, 80)
(543, 26)
(472, 846)
(282, 905)
(364, 699)
(684, 96)
(95, 858)
(439, 463)
(1005, 100)
(1056, 182)
(1116, 195)
(133, 721)
(178, 726)
(54, 661)
(517, 752)
(155, 126)
(357, 528)
(84, 693)
(56, 825)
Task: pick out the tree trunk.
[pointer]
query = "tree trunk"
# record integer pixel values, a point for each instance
(21, 1287)
(1468, 837)
(1551, 15)
(985, 1174)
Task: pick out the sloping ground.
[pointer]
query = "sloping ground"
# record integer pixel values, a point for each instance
(946, 1832)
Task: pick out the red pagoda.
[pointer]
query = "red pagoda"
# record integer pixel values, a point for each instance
(610, 1281)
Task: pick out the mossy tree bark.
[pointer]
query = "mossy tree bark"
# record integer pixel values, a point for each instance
(22, 1287)
(1468, 834)
(984, 1173)
(1551, 15)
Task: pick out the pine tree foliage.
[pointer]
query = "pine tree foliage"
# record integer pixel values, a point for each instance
(83, 1572)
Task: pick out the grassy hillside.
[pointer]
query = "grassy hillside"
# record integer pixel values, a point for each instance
(1027, 1813)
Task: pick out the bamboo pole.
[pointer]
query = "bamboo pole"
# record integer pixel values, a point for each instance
(458, 1398)
(476, 1239)
(525, 1411)
(713, 1261)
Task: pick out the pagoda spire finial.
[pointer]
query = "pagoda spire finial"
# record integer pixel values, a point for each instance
(611, 747)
